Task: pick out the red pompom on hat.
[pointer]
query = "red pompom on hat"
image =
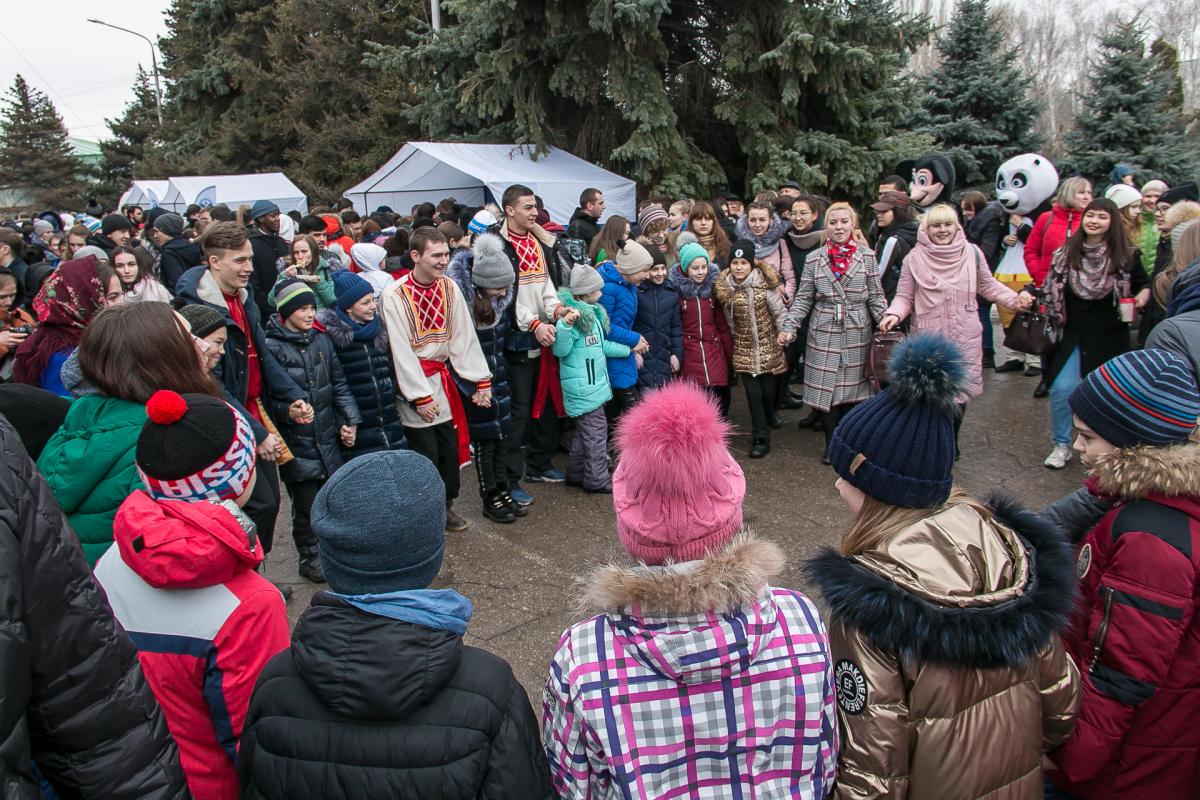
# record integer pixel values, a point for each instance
(166, 407)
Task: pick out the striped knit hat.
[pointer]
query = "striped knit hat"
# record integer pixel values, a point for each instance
(1145, 397)
(293, 295)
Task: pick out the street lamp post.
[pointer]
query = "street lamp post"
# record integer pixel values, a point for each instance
(153, 62)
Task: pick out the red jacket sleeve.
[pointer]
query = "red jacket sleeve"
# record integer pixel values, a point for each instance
(723, 330)
(1146, 603)
(255, 632)
(1034, 263)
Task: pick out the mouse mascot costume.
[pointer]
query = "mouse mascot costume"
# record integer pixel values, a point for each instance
(932, 181)
(1025, 185)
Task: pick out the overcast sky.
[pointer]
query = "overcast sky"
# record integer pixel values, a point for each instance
(86, 69)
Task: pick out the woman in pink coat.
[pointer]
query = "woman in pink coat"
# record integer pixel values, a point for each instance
(939, 282)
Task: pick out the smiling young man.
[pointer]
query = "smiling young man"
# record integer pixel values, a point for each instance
(430, 332)
(248, 372)
(1135, 634)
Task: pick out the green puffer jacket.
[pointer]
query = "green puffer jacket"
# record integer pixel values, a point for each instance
(326, 296)
(1149, 240)
(583, 353)
(89, 464)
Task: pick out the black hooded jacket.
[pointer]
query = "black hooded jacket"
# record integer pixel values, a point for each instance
(364, 706)
(178, 256)
(268, 248)
(583, 226)
(75, 701)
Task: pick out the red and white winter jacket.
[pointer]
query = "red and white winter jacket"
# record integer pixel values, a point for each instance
(181, 581)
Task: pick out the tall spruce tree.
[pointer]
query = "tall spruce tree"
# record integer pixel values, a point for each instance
(134, 133)
(977, 103)
(223, 96)
(1124, 118)
(35, 156)
(339, 119)
(682, 96)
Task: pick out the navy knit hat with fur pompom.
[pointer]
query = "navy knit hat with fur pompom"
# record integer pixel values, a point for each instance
(898, 447)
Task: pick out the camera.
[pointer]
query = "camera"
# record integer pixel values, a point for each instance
(23, 329)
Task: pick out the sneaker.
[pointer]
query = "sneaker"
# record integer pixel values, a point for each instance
(1012, 365)
(310, 569)
(495, 509)
(521, 497)
(551, 475)
(455, 523)
(1032, 372)
(516, 508)
(1058, 457)
(605, 489)
(761, 448)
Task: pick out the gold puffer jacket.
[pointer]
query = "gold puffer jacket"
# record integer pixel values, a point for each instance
(952, 680)
(756, 312)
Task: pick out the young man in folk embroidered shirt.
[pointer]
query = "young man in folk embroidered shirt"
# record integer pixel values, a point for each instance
(431, 333)
(533, 372)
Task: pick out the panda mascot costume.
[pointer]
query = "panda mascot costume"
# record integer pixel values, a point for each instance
(1025, 185)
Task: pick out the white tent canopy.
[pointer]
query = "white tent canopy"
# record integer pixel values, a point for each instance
(477, 173)
(235, 190)
(147, 194)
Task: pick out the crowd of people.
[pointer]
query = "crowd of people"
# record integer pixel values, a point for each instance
(164, 377)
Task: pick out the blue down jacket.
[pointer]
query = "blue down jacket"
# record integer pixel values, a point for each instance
(620, 302)
(658, 320)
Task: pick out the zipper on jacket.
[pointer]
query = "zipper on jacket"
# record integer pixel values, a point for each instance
(703, 354)
(1107, 593)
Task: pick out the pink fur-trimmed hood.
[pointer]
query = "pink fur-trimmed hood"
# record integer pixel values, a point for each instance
(677, 491)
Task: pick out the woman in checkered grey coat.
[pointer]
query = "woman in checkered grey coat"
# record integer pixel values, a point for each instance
(694, 677)
(840, 288)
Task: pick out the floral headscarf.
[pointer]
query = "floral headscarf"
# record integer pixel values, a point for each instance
(67, 302)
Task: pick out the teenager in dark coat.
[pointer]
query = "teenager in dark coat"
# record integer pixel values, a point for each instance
(378, 696)
(360, 340)
(659, 322)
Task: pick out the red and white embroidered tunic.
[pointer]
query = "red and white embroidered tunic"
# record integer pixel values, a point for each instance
(536, 298)
(430, 323)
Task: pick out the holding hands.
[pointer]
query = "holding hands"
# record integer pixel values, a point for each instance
(888, 323)
(348, 433)
(785, 338)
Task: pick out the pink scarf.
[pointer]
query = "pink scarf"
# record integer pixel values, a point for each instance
(940, 270)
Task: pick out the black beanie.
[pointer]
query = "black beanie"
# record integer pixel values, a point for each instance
(1188, 190)
(203, 318)
(35, 414)
(115, 222)
(194, 447)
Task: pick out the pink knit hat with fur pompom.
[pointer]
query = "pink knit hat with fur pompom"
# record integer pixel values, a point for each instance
(677, 491)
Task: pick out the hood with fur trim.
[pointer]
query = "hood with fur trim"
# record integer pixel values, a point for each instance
(705, 602)
(341, 333)
(1135, 473)
(459, 271)
(955, 589)
(688, 288)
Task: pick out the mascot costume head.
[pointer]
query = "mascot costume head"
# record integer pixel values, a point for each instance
(932, 179)
(1024, 186)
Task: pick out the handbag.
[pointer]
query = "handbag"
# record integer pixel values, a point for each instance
(1033, 332)
(878, 353)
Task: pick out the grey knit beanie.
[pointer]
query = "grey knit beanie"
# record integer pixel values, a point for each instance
(585, 280)
(491, 268)
(380, 522)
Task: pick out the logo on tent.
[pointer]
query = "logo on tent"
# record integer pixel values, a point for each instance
(207, 198)
(153, 198)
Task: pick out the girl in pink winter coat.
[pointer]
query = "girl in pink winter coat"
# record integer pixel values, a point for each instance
(939, 283)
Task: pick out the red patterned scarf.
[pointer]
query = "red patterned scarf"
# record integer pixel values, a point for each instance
(840, 257)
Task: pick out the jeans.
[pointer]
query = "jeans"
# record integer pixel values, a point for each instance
(302, 495)
(587, 463)
(761, 396)
(438, 443)
(1065, 382)
(263, 505)
(544, 432)
(985, 316)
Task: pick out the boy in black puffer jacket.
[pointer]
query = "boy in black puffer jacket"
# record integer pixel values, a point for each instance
(378, 696)
(307, 355)
(659, 322)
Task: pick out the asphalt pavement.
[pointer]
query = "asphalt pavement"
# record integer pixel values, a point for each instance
(521, 577)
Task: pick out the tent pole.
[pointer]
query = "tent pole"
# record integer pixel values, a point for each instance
(435, 11)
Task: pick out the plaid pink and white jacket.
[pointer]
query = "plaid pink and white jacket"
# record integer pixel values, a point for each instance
(734, 703)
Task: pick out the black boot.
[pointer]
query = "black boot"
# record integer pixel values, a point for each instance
(495, 509)
(516, 508)
(1012, 365)
(310, 569)
(811, 421)
(761, 447)
(1042, 390)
